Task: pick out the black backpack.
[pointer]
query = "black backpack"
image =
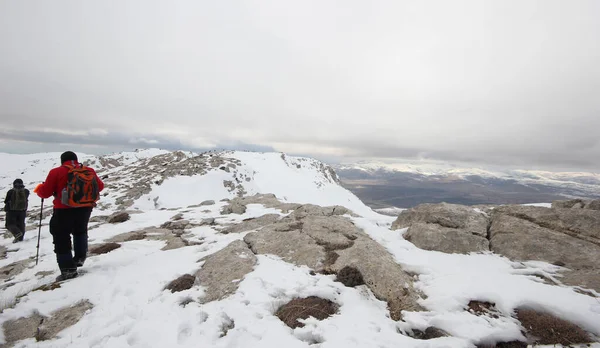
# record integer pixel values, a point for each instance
(18, 199)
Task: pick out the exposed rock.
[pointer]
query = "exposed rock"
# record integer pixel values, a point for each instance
(311, 209)
(22, 328)
(177, 217)
(267, 200)
(61, 320)
(593, 205)
(543, 328)
(521, 239)
(333, 232)
(223, 270)
(578, 223)
(99, 218)
(13, 269)
(303, 308)
(233, 208)
(252, 223)
(207, 202)
(572, 203)
(311, 237)
(3, 252)
(97, 249)
(184, 282)
(176, 225)
(118, 217)
(372, 260)
(207, 221)
(44, 328)
(127, 237)
(429, 333)
(293, 246)
(444, 239)
(447, 215)
(173, 238)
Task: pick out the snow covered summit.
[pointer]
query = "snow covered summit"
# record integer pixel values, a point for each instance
(220, 249)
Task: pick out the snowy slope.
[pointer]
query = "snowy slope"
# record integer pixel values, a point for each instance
(132, 309)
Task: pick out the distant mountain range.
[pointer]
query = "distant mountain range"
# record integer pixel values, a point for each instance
(404, 185)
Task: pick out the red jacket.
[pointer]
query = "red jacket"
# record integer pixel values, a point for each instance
(57, 181)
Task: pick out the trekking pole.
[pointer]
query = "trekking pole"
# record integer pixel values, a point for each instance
(39, 233)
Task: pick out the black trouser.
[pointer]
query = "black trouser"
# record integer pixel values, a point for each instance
(15, 223)
(63, 224)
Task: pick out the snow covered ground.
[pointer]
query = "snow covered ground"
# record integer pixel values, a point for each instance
(132, 309)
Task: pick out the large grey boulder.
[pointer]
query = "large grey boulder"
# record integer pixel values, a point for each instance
(446, 215)
(448, 228)
(381, 273)
(568, 204)
(292, 246)
(331, 243)
(534, 234)
(444, 239)
(222, 271)
(332, 232)
(578, 223)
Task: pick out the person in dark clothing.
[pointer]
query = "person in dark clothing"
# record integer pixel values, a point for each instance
(68, 220)
(15, 206)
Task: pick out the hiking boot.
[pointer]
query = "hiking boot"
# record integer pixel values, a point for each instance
(18, 238)
(67, 274)
(79, 263)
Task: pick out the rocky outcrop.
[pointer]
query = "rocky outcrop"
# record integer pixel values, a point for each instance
(577, 204)
(174, 238)
(222, 271)
(233, 208)
(578, 223)
(444, 239)
(252, 223)
(449, 228)
(372, 261)
(567, 234)
(552, 235)
(292, 246)
(43, 328)
(321, 239)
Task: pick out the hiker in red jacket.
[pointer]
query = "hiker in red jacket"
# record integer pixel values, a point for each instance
(75, 189)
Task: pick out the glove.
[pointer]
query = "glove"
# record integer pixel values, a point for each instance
(37, 188)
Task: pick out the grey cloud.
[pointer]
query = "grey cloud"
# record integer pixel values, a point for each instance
(113, 141)
(482, 81)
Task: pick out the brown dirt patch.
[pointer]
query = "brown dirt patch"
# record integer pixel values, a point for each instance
(303, 308)
(350, 277)
(544, 328)
(48, 287)
(104, 248)
(184, 282)
(483, 308)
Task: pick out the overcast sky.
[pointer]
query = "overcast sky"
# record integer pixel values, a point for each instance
(499, 82)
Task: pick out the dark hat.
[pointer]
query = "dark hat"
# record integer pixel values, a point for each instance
(68, 156)
(18, 183)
